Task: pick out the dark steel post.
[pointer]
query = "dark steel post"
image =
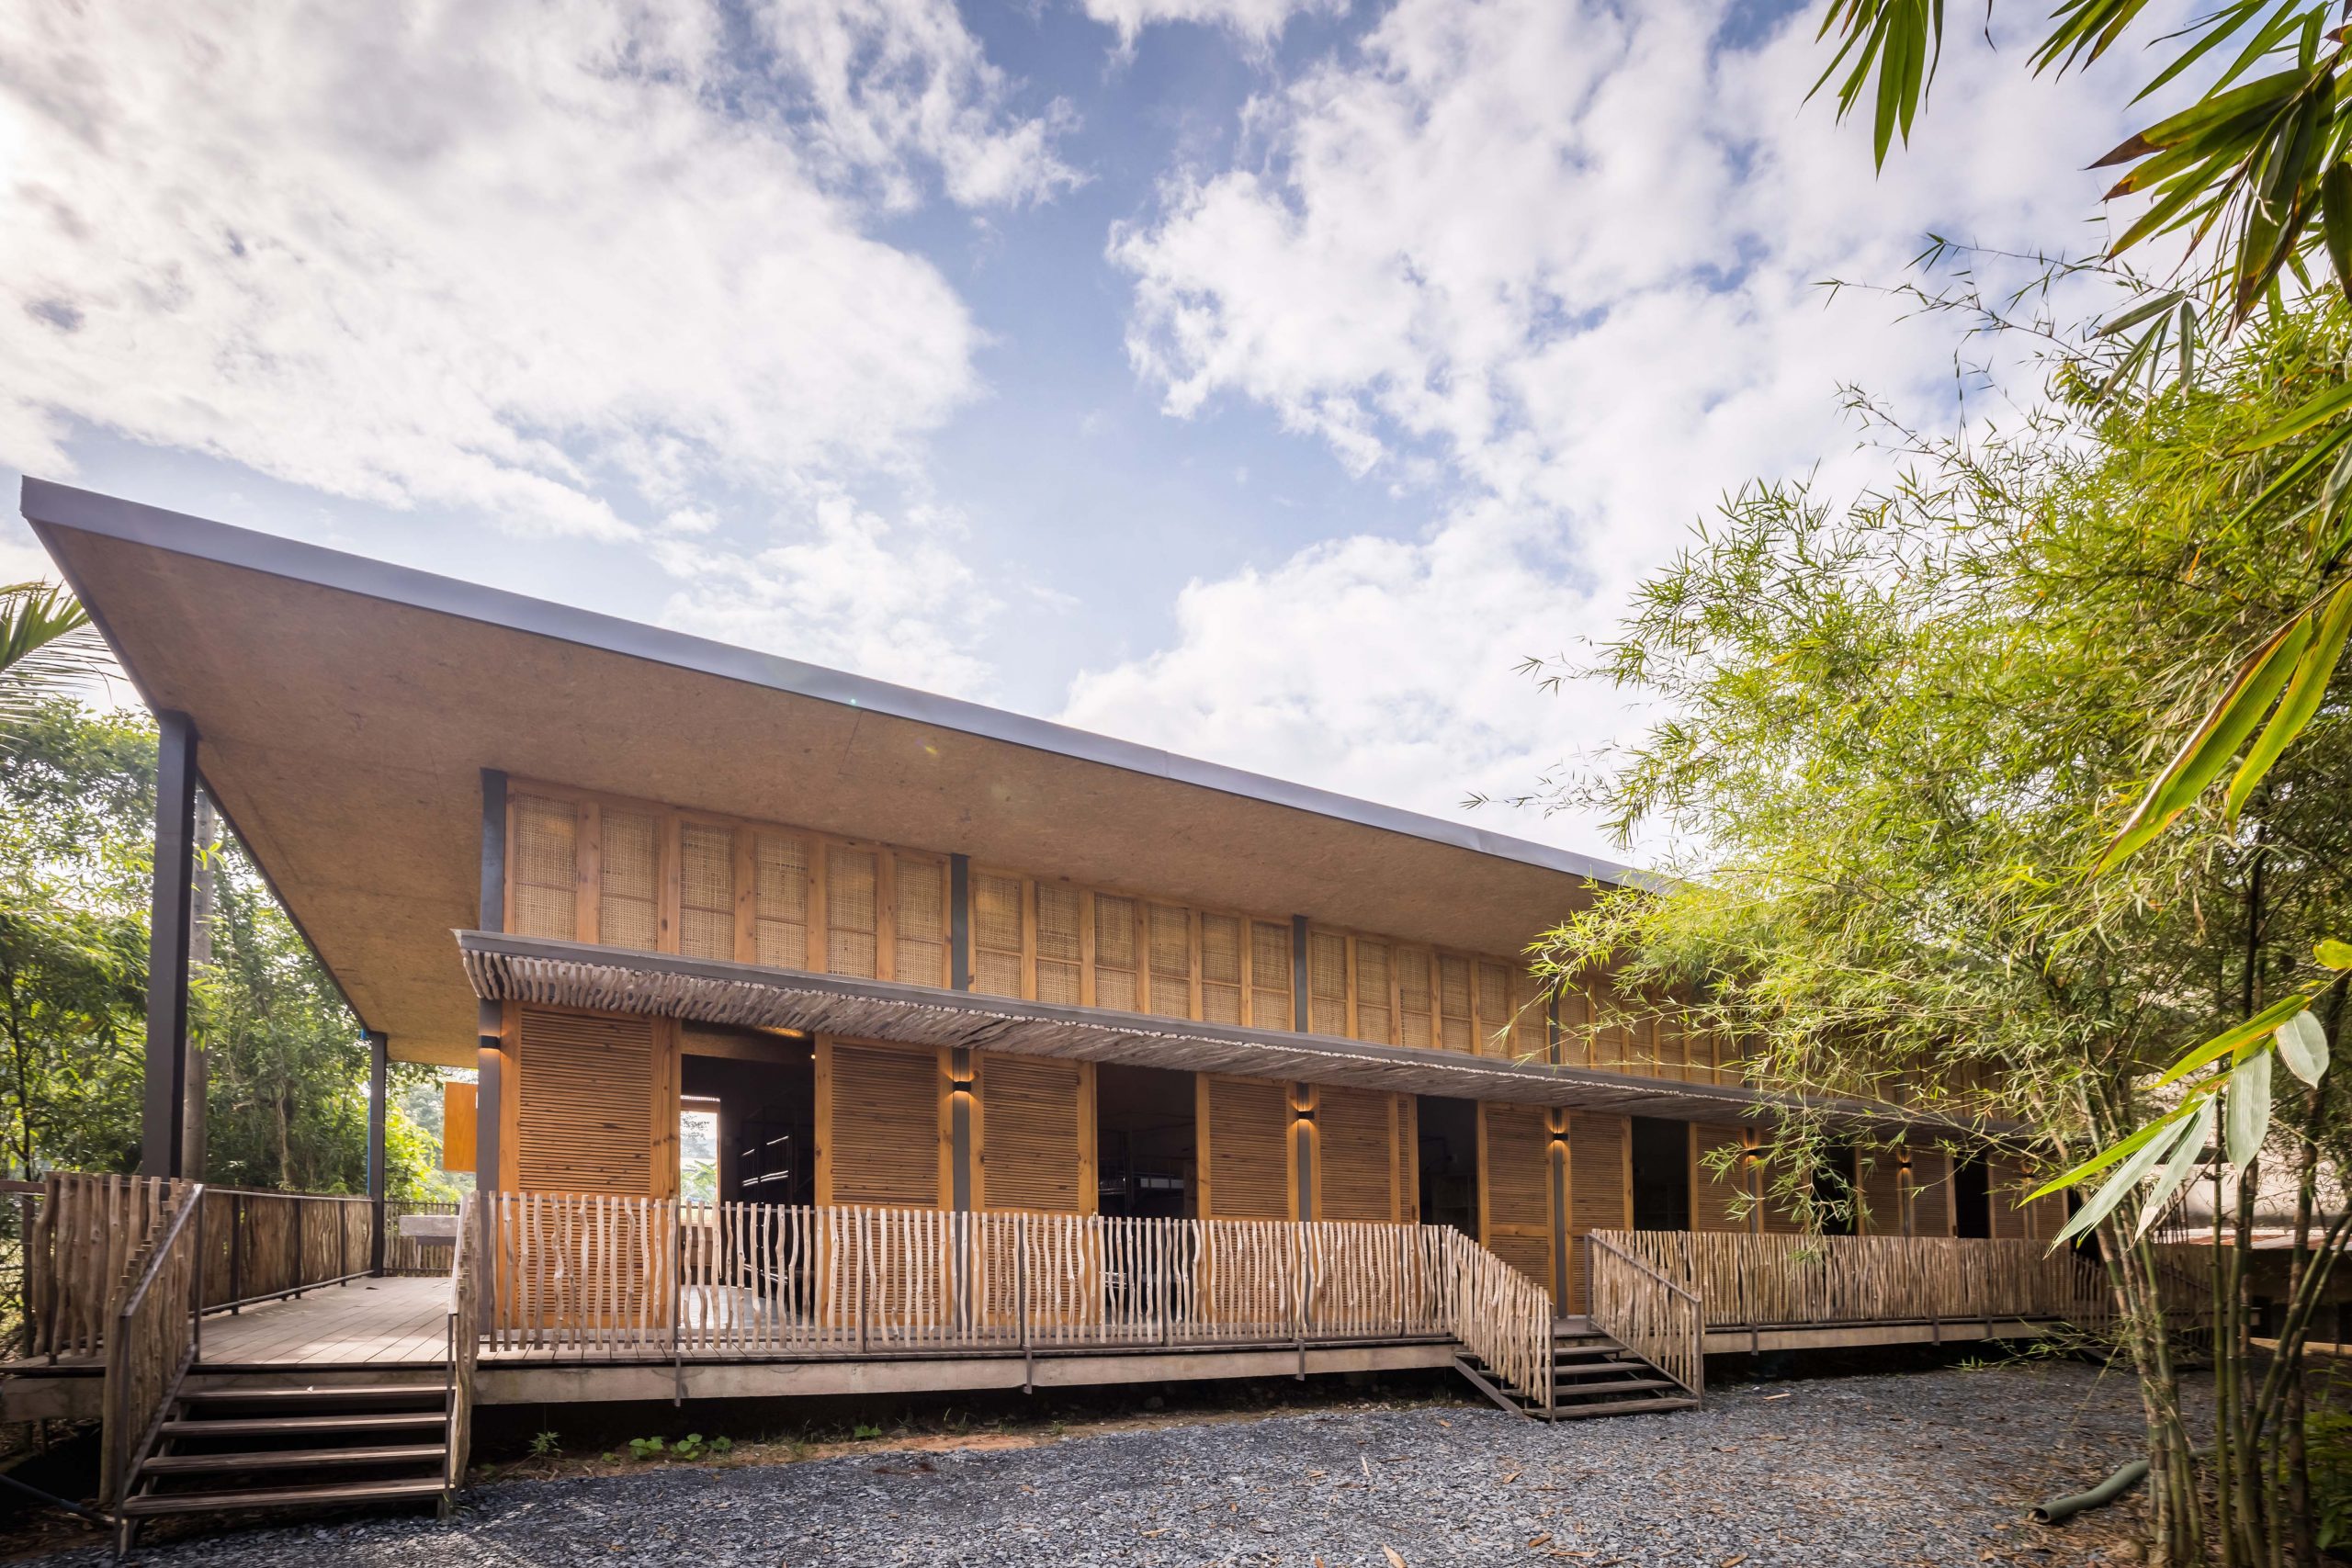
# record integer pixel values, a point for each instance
(959, 922)
(163, 1146)
(489, 1025)
(378, 1083)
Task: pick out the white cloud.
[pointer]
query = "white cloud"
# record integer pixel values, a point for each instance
(1257, 21)
(492, 255)
(1555, 267)
(849, 589)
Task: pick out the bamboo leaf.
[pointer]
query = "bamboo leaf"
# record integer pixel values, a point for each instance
(2247, 1109)
(2319, 411)
(2313, 669)
(2107, 1157)
(2302, 1045)
(2334, 954)
(2140, 312)
(2188, 1151)
(2230, 1039)
(2118, 1187)
(2335, 221)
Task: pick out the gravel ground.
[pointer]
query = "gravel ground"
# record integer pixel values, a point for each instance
(1933, 1468)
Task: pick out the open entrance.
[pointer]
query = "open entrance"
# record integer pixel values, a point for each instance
(1449, 1162)
(1834, 1190)
(752, 1095)
(1972, 1199)
(1661, 1158)
(1146, 1149)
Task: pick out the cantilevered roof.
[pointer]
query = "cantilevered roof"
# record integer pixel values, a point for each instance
(504, 967)
(345, 708)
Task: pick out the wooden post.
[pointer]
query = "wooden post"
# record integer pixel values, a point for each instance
(164, 1128)
(379, 1075)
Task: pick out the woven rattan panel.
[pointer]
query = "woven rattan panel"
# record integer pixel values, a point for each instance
(1115, 953)
(1221, 968)
(705, 891)
(1673, 1047)
(1515, 1177)
(628, 910)
(1271, 1000)
(1326, 983)
(919, 947)
(1715, 1200)
(584, 1103)
(1169, 939)
(852, 912)
(1061, 943)
(997, 949)
(1882, 1185)
(1495, 1020)
(1778, 1217)
(1930, 1193)
(1414, 1018)
(882, 1145)
(544, 868)
(1375, 1019)
(1356, 1144)
(1600, 1194)
(780, 900)
(2009, 1221)
(1454, 1032)
(1247, 1132)
(1032, 1147)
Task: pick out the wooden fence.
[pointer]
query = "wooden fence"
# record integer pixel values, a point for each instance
(86, 1230)
(646, 1279)
(150, 1342)
(465, 1338)
(1498, 1314)
(1660, 1320)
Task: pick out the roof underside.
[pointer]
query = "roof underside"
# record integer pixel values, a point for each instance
(566, 974)
(345, 709)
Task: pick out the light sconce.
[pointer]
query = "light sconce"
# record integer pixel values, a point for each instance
(961, 1085)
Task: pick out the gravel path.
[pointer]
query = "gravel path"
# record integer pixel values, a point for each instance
(1932, 1468)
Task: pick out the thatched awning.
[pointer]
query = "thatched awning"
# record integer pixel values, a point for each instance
(581, 974)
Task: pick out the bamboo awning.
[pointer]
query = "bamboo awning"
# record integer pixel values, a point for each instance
(545, 971)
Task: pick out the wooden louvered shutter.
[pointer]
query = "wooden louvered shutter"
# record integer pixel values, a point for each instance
(1115, 952)
(1515, 1188)
(1930, 1183)
(1168, 940)
(1326, 983)
(1454, 1025)
(705, 891)
(1061, 943)
(1409, 1158)
(918, 921)
(1880, 1192)
(1716, 1199)
(543, 868)
(1775, 1217)
(2002, 1185)
(1375, 1021)
(629, 905)
(1032, 1135)
(1245, 1158)
(1575, 1036)
(586, 1090)
(882, 1129)
(780, 900)
(1608, 1028)
(1673, 1042)
(1493, 1009)
(1356, 1167)
(1600, 1193)
(998, 966)
(852, 912)
(1413, 1013)
(1221, 968)
(1272, 1003)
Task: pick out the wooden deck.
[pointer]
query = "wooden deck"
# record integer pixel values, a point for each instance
(389, 1322)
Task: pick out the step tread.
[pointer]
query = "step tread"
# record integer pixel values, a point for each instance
(245, 1426)
(279, 1497)
(293, 1459)
(1622, 1385)
(1622, 1408)
(361, 1393)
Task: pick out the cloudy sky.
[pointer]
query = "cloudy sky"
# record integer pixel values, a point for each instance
(1259, 378)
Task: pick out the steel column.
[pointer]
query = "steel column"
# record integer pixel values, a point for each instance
(163, 1143)
(378, 1084)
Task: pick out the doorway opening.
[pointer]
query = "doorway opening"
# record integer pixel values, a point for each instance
(756, 1094)
(1661, 1174)
(1972, 1199)
(1835, 1186)
(1449, 1162)
(1146, 1152)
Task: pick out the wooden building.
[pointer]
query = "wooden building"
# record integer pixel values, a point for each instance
(906, 956)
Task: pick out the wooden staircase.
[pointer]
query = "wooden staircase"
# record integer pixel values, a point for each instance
(232, 1444)
(1592, 1374)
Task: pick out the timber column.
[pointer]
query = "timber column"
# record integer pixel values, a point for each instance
(163, 1147)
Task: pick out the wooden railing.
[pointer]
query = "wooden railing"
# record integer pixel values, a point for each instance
(406, 1254)
(1746, 1281)
(149, 1344)
(465, 1335)
(86, 1233)
(645, 1279)
(1659, 1320)
(1499, 1314)
(260, 1245)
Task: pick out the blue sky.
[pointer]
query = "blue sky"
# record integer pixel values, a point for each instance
(1261, 378)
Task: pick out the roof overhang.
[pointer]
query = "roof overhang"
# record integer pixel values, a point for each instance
(345, 708)
(538, 970)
